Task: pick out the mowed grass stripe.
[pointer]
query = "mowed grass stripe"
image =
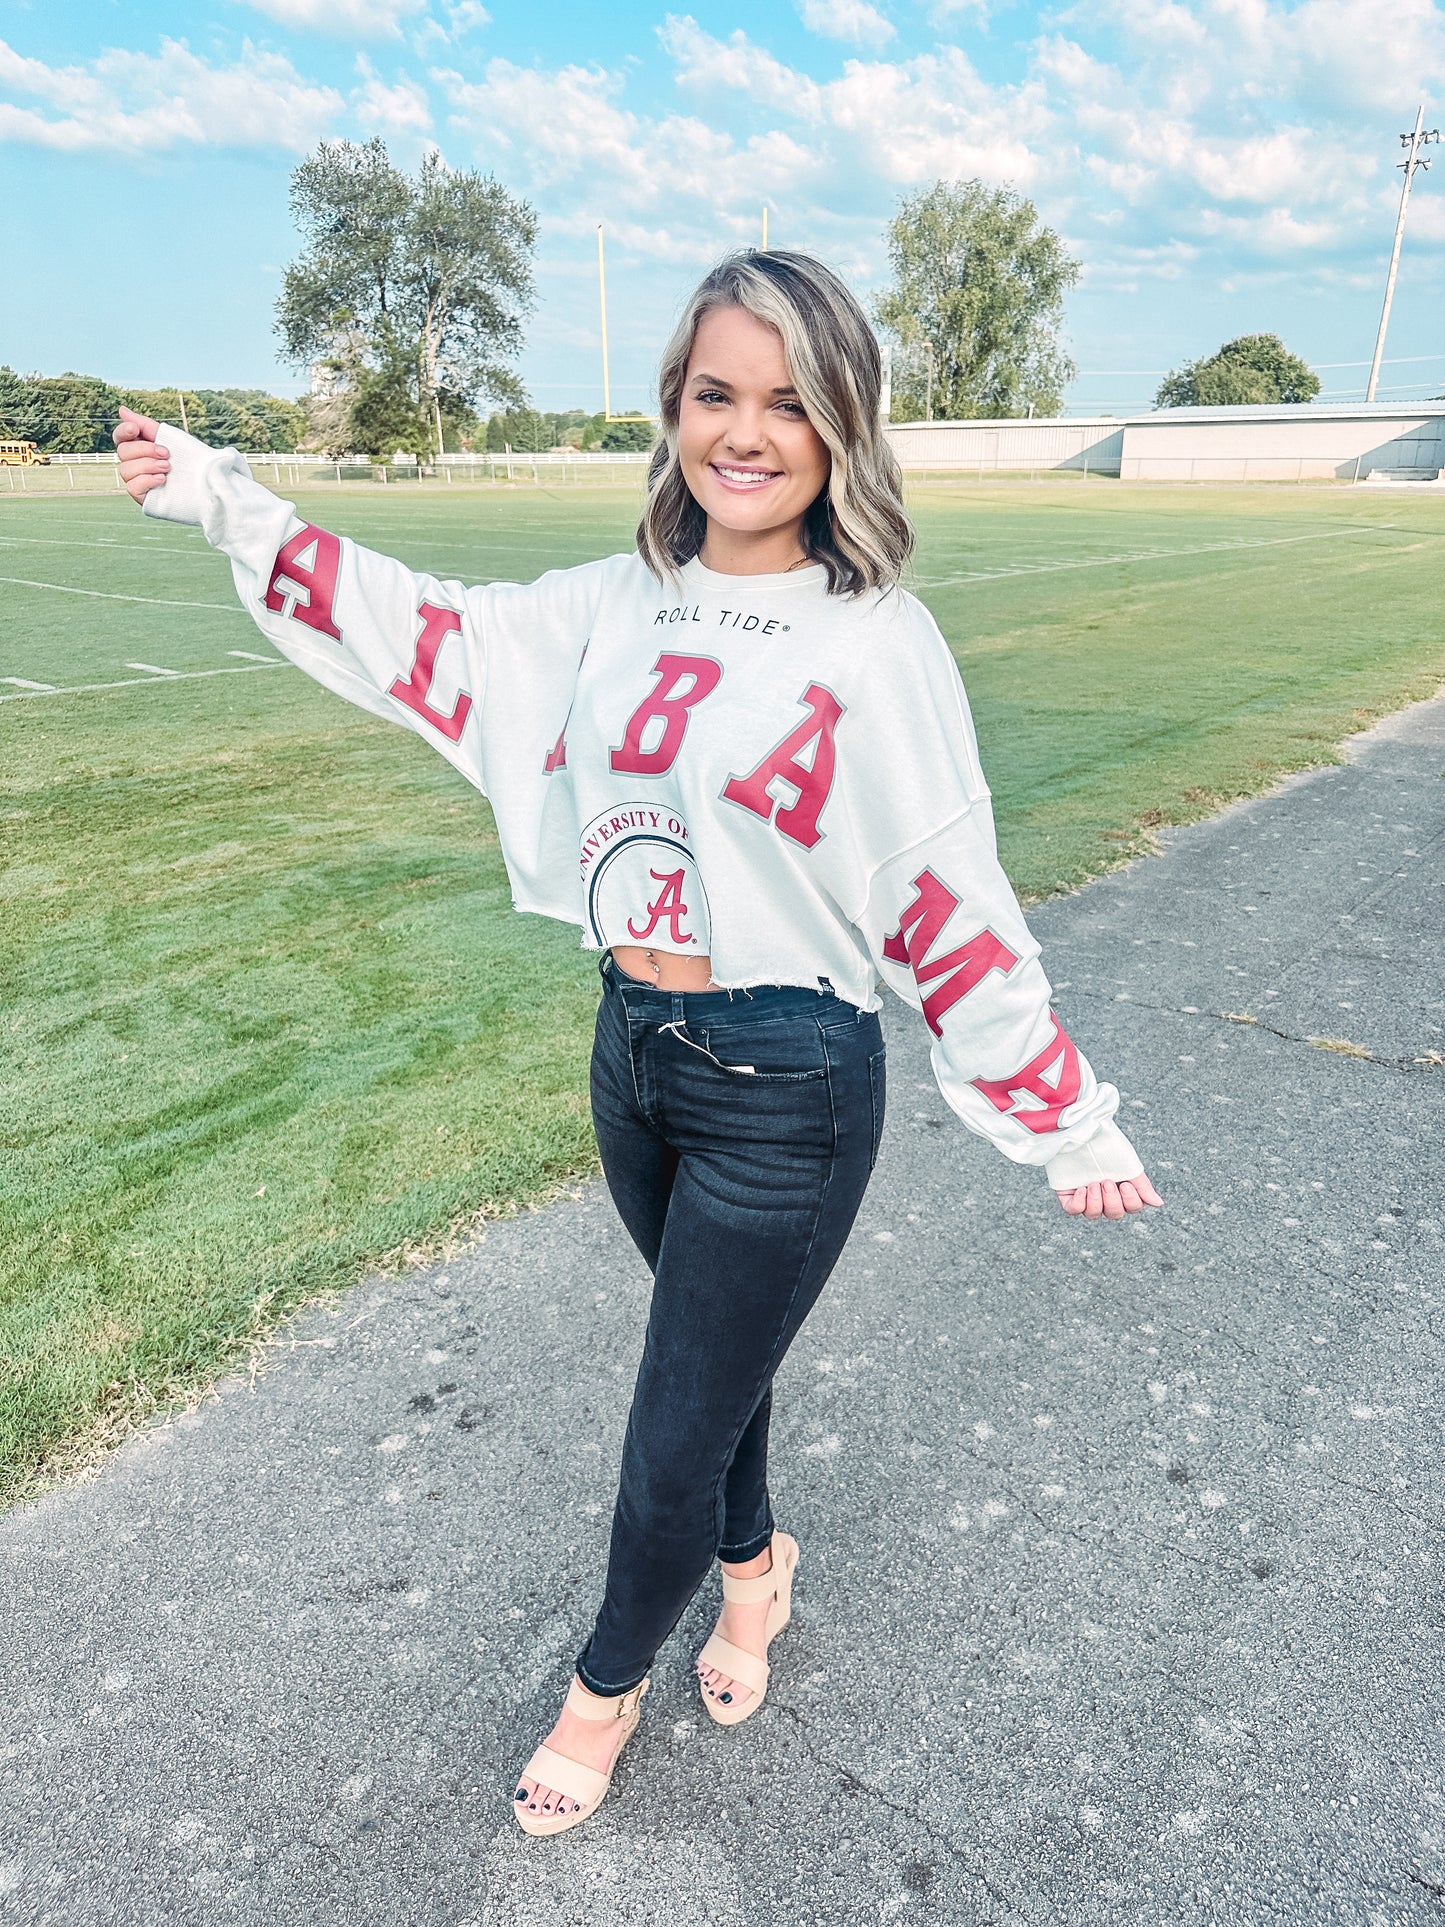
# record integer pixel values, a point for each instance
(268, 1012)
(156, 678)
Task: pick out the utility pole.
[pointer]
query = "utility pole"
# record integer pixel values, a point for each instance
(1412, 161)
(602, 306)
(765, 227)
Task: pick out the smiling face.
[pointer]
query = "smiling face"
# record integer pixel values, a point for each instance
(751, 458)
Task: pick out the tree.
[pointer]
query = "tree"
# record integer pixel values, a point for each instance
(244, 418)
(66, 414)
(1251, 370)
(977, 304)
(622, 436)
(283, 422)
(419, 280)
(386, 414)
(19, 417)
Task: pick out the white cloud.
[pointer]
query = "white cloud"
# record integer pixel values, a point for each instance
(458, 19)
(399, 109)
(737, 62)
(131, 102)
(564, 129)
(851, 20)
(906, 121)
(368, 19)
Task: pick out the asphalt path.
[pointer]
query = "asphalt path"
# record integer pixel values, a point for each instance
(1120, 1590)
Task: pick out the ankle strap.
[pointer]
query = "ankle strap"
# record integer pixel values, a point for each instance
(589, 1706)
(750, 1592)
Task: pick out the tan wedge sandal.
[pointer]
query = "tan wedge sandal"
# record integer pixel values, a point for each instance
(584, 1784)
(752, 1672)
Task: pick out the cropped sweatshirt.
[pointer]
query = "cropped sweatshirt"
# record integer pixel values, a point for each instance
(743, 767)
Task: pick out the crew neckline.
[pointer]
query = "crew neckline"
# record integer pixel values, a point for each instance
(697, 576)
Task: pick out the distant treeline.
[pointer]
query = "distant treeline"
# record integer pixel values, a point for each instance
(74, 414)
(532, 431)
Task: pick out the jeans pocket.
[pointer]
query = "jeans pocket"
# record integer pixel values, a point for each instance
(790, 1052)
(878, 1092)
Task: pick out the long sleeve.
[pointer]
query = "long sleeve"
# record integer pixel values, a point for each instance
(945, 930)
(486, 673)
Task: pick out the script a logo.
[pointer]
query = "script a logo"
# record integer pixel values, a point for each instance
(667, 907)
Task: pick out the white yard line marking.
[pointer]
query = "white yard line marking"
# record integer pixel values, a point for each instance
(98, 542)
(108, 595)
(154, 668)
(22, 682)
(249, 655)
(1137, 555)
(141, 682)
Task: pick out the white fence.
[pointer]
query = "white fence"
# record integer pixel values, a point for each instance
(88, 473)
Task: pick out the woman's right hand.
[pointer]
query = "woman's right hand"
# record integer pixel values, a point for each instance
(143, 465)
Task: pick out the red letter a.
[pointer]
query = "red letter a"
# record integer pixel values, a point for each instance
(671, 705)
(812, 781)
(1052, 1079)
(436, 626)
(293, 578)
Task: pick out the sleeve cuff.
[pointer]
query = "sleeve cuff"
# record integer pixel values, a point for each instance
(185, 495)
(1107, 1155)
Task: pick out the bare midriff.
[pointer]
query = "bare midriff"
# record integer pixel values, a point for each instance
(663, 969)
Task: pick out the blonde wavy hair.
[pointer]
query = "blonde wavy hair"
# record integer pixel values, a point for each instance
(856, 527)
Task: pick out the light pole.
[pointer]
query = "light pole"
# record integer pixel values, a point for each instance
(1412, 161)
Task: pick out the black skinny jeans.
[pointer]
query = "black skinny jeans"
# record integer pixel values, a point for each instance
(739, 1186)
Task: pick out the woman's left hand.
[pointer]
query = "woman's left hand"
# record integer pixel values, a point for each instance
(1109, 1200)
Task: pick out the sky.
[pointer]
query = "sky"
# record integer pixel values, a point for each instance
(1218, 166)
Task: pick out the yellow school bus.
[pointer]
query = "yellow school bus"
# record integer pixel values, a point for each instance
(21, 455)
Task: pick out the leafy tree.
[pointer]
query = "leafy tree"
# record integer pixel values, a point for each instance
(386, 415)
(524, 430)
(977, 304)
(66, 414)
(527, 430)
(624, 436)
(164, 405)
(244, 418)
(283, 422)
(1252, 369)
(422, 279)
(19, 417)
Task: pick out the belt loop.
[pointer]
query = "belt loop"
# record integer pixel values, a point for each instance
(677, 1016)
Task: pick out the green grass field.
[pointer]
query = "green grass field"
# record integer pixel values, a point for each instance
(267, 1014)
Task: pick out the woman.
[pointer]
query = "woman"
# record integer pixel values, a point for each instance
(742, 759)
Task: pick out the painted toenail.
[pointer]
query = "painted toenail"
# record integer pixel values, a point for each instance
(532, 1808)
(521, 1793)
(726, 1698)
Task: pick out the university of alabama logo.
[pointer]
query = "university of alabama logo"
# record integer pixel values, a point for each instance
(640, 883)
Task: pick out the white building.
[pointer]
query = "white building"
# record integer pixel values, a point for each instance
(1306, 442)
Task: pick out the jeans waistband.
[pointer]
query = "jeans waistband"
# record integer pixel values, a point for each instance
(720, 1006)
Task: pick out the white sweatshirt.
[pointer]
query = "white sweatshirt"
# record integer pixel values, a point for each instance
(743, 767)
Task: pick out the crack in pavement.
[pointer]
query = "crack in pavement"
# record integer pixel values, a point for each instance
(1374, 1492)
(859, 1785)
(1245, 1020)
